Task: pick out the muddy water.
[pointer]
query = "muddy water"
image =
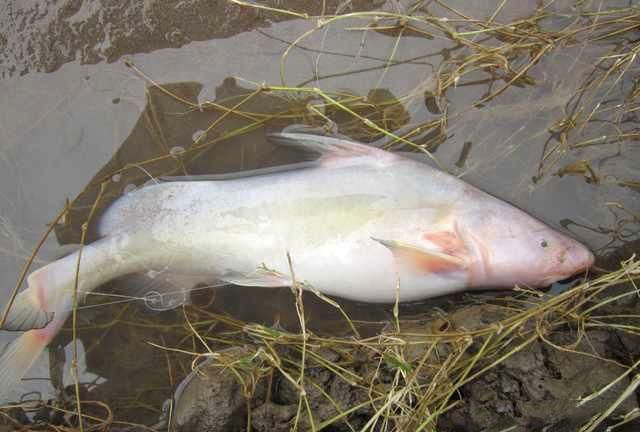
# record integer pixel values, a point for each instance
(73, 112)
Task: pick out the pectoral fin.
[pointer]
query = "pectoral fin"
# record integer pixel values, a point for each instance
(423, 260)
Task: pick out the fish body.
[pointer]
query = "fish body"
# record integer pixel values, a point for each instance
(358, 223)
(331, 223)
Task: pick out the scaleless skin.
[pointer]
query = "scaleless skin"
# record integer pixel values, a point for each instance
(358, 223)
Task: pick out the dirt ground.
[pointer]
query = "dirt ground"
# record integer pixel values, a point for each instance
(536, 389)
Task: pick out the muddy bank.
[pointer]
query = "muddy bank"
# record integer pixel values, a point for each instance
(530, 379)
(42, 35)
(536, 388)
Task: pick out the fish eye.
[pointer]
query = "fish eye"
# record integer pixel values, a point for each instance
(544, 244)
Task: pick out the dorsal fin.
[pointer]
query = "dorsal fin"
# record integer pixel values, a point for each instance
(332, 152)
(332, 149)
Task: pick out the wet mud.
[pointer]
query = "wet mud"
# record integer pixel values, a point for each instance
(537, 388)
(42, 35)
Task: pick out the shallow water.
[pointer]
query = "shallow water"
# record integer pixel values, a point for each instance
(62, 122)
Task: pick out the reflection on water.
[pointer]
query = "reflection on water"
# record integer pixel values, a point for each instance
(92, 128)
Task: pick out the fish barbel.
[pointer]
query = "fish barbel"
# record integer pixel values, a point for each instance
(358, 222)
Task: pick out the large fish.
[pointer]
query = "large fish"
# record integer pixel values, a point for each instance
(359, 223)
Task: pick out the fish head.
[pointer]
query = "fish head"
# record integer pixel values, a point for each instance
(510, 247)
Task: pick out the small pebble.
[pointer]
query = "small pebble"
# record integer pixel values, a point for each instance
(176, 151)
(199, 135)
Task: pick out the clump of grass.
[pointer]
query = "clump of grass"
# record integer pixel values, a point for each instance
(413, 375)
(416, 367)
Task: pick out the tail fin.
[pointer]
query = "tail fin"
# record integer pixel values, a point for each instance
(17, 358)
(26, 313)
(47, 302)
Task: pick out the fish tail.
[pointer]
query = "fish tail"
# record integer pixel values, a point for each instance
(18, 357)
(43, 307)
(32, 311)
(26, 314)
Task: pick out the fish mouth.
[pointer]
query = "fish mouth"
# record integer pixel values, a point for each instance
(581, 260)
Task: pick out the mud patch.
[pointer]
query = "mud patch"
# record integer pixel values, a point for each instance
(537, 388)
(42, 35)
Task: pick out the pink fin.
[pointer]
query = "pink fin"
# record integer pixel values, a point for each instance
(28, 310)
(422, 260)
(447, 241)
(20, 354)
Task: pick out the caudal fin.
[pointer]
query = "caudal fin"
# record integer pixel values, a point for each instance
(31, 311)
(17, 358)
(26, 313)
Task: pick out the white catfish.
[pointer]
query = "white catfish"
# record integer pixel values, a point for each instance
(359, 223)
